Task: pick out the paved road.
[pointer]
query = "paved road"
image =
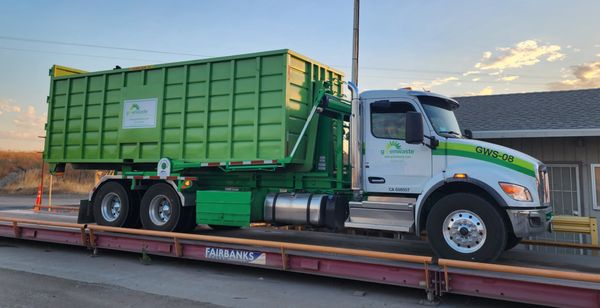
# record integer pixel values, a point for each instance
(27, 201)
(23, 289)
(20, 206)
(34, 274)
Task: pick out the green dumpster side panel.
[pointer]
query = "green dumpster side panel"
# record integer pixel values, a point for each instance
(228, 208)
(244, 107)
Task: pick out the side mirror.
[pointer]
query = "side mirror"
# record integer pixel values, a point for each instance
(414, 127)
(468, 134)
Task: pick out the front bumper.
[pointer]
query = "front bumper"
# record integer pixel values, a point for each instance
(530, 222)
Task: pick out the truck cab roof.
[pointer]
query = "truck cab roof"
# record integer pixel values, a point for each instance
(399, 93)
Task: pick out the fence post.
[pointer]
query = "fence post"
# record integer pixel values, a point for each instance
(38, 199)
(594, 234)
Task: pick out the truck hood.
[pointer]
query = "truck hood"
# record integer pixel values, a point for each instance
(492, 153)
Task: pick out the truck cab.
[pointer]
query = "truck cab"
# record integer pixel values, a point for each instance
(419, 174)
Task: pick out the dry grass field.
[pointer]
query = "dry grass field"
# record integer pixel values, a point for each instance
(20, 174)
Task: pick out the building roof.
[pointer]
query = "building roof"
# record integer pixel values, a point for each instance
(538, 114)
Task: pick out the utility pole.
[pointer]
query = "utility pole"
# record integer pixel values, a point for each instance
(355, 43)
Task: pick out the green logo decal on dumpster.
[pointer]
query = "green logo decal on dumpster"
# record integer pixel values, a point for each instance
(139, 113)
(135, 108)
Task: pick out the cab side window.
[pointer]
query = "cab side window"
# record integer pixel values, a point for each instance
(388, 119)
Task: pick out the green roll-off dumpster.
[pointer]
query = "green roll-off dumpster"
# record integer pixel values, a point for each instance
(237, 108)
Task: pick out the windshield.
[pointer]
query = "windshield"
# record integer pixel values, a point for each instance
(441, 115)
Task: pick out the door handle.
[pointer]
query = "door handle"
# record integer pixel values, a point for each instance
(376, 180)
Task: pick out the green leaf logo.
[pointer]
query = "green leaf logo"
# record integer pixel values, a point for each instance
(393, 149)
(133, 109)
(393, 145)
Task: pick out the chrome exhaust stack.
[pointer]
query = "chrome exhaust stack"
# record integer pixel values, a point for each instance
(356, 141)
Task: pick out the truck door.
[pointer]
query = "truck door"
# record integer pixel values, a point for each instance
(390, 164)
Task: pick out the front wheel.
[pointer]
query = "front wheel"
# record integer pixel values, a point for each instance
(467, 227)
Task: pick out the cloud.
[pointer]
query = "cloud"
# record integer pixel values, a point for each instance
(27, 125)
(434, 83)
(524, 53)
(509, 78)
(467, 73)
(475, 79)
(8, 105)
(583, 76)
(486, 91)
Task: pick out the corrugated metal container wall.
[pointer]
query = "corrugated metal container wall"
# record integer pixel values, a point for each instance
(245, 107)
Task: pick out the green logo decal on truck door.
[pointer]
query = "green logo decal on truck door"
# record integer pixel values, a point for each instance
(393, 149)
(486, 154)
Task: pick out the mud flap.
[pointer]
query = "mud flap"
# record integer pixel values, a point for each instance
(86, 214)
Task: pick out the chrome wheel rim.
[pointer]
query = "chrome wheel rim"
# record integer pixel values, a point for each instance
(464, 231)
(160, 210)
(111, 207)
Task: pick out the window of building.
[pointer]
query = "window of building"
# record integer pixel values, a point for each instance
(388, 119)
(596, 186)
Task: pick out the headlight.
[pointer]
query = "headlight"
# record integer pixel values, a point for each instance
(517, 192)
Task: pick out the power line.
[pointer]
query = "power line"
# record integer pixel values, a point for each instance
(457, 80)
(398, 69)
(367, 75)
(74, 54)
(152, 60)
(391, 69)
(12, 38)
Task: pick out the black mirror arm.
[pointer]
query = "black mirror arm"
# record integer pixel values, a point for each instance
(468, 134)
(433, 142)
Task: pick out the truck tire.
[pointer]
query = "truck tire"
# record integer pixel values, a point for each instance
(466, 227)
(114, 206)
(161, 210)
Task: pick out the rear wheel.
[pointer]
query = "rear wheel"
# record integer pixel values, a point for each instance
(466, 227)
(114, 206)
(161, 210)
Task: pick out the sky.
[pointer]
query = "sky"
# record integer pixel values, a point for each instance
(456, 48)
